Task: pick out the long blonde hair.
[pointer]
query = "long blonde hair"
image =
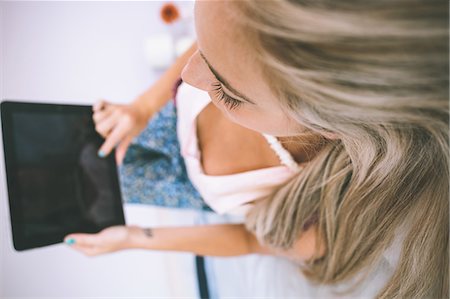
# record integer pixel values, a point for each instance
(375, 73)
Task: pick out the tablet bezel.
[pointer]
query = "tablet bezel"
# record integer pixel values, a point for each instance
(20, 242)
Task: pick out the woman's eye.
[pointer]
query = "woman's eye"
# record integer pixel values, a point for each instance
(230, 102)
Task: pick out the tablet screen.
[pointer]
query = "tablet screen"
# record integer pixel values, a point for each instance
(57, 184)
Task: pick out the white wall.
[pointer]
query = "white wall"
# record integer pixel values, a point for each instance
(77, 52)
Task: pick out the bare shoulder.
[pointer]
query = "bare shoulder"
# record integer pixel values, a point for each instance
(228, 148)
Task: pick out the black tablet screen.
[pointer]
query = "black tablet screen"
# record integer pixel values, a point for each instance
(57, 182)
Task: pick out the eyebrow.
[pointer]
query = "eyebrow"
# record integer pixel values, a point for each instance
(224, 82)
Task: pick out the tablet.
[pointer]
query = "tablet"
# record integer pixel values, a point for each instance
(56, 182)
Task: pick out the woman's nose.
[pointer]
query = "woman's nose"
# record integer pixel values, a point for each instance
(197, 73)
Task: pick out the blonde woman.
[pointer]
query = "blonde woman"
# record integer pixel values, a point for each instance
(352, 98)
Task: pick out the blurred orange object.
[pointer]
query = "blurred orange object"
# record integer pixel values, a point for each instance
(169, 13)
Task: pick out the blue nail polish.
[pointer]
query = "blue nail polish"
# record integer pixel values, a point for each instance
(101, 154)
(70, 241)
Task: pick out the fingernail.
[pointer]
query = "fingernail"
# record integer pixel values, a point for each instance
(70, 241)
(101, 154)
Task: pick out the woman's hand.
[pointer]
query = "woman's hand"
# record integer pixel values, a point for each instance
(119, 124)
(110, 239)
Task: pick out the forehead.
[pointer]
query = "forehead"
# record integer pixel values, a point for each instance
(227, 48)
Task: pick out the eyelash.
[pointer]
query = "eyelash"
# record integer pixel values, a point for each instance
(222, 96)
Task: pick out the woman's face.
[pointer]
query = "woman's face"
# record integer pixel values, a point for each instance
(224, 67)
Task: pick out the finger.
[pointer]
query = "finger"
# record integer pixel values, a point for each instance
(122, 149)
(82, 240)
(98, 105)
(87, 251)
(113, 138)
(105, 126)
(99, 115)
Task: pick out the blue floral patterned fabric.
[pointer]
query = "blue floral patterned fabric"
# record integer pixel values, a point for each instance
(153, 171)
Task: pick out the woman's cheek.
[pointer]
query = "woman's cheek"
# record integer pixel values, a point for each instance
(265, 124)
(248, 119)
(251, 119)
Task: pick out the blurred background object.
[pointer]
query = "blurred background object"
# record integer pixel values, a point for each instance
(178, 35)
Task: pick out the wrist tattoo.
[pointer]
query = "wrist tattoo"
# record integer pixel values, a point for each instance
(148, 232)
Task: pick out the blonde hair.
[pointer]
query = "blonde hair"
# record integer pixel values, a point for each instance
(375, 73)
